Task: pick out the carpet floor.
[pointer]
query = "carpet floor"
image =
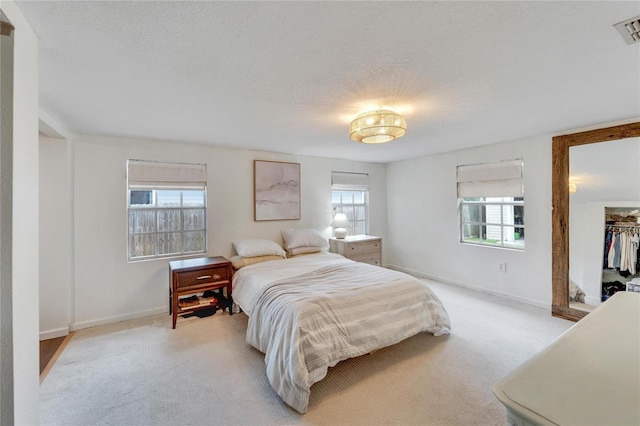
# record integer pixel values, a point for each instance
(142, 372)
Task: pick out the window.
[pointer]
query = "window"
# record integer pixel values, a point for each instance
(350, 195)
(354, 205)
(491, 204)
(166, 209)
(493, 221)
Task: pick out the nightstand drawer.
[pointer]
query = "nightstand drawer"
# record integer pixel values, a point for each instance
(362, 249)
(203, 276)
(370, 258)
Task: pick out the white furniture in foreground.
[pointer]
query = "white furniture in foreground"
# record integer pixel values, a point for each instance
(589, 376)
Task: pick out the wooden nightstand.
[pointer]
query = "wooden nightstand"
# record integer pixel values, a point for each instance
(361, 248)
(194, 276)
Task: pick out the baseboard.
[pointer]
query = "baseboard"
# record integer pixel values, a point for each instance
(592, 301)
(52, 334)
(535, 303)
(118, 318)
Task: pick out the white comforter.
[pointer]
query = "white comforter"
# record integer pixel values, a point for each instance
(310, 312)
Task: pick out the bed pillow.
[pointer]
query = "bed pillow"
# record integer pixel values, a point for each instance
(256, 247)
(239, 261)
(304, 250)
(576, 294)
(295, 238)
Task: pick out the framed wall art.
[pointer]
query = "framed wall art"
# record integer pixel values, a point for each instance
(276, 190)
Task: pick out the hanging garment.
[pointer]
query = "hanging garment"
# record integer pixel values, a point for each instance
(630, 255)
(607, 244)
(624, 245)
(612, 250)
(635, 242)
(616, 257)
(629, 252)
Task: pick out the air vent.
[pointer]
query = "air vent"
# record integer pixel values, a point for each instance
(629, 30)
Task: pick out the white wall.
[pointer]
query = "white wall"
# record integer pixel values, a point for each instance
(25, 219)
(423, 231)
(56, 230)
(105, 288)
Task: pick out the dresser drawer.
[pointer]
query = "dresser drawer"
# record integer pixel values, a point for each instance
(203, 276)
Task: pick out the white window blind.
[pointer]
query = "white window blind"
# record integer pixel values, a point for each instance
(156, 175)
(347, 181)
(501, 179)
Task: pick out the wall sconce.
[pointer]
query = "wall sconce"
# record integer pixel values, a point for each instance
(573, 187)
(340, 223)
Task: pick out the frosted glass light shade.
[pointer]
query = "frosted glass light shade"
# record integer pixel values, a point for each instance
(377, 126)
(340, 223)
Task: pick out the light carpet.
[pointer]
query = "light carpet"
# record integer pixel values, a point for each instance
(142, 372)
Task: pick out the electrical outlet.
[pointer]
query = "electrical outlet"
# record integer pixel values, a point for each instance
(502, 266)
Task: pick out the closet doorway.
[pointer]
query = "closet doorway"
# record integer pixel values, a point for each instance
(621, 264)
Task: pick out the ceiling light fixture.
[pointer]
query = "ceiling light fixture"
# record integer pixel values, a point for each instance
(377, 126)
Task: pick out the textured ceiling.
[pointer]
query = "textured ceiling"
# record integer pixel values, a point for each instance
(289, 76)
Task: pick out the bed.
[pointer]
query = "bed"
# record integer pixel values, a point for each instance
(309, 312)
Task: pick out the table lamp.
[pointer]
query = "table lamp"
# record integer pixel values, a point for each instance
(340, 223)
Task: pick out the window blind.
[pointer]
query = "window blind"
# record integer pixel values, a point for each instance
(500, 179)
(156, 175)
(347, 181)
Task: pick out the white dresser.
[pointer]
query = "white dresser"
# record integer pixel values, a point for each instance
(361, 248)
(589, 376)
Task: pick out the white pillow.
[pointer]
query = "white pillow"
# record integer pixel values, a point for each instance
(294, 238)
(255, 247)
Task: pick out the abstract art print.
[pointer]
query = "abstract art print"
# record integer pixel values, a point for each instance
(276, 190)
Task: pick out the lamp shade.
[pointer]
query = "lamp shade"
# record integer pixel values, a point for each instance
(340, 223)
(377, 126)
